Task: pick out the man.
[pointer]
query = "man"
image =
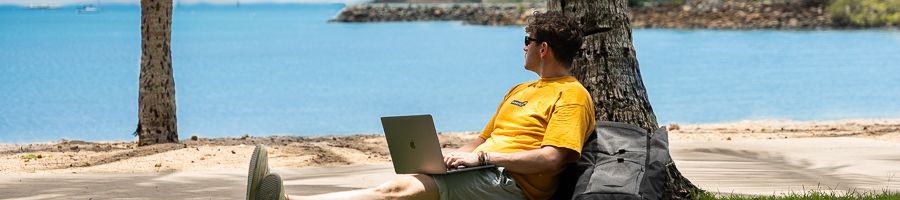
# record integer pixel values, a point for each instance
(538, 128)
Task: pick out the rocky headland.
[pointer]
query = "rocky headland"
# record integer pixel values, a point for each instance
(732, 15)
(470, 13)
(708, 14)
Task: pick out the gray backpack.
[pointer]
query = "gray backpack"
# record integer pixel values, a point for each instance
(618, 161)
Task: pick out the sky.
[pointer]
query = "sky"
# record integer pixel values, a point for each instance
(79, 2)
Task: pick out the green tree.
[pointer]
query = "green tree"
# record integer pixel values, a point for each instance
(865, 13)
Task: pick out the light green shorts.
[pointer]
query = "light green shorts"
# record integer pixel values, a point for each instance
(488, 183)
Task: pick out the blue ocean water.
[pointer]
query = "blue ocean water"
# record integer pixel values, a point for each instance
(264, 69)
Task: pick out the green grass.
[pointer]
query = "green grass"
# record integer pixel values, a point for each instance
(811, 194)
(513, 1)
(31, 156)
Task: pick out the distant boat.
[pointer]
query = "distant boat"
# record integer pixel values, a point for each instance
(42, 6)
(88, 9)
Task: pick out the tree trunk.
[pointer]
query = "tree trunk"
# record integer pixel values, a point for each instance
(156, 99)
(608, 68)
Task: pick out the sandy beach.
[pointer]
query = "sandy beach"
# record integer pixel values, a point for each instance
(746, 157)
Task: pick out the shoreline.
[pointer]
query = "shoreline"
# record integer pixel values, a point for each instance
(748, 123)
(320, 151)
(875, 128)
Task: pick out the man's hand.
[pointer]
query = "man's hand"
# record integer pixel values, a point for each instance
(456, 159)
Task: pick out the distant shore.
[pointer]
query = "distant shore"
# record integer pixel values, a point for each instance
(494, 14)
(701, 14)
(302, 152)
(733, 15)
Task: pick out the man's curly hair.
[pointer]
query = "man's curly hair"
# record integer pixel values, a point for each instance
(559, 31)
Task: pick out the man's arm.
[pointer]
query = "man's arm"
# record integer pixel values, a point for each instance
(468, 148)
(545, 159)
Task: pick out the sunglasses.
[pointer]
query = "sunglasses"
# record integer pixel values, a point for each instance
(528, 40)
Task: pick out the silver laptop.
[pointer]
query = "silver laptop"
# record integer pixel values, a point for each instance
(414, 146)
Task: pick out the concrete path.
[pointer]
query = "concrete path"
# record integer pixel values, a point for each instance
(790, 165)
(748, 166)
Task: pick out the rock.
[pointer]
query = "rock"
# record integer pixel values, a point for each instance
(793, 22)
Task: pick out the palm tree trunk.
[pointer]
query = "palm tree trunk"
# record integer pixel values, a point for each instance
(608, 68)
(156, 99)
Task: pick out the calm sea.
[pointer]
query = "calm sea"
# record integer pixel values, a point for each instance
(282, 69)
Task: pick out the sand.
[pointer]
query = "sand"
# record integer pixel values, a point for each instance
(201, 154)
(878, 129)
(747, 157)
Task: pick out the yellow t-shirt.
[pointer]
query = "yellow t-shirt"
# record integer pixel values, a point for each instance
(546, 112)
